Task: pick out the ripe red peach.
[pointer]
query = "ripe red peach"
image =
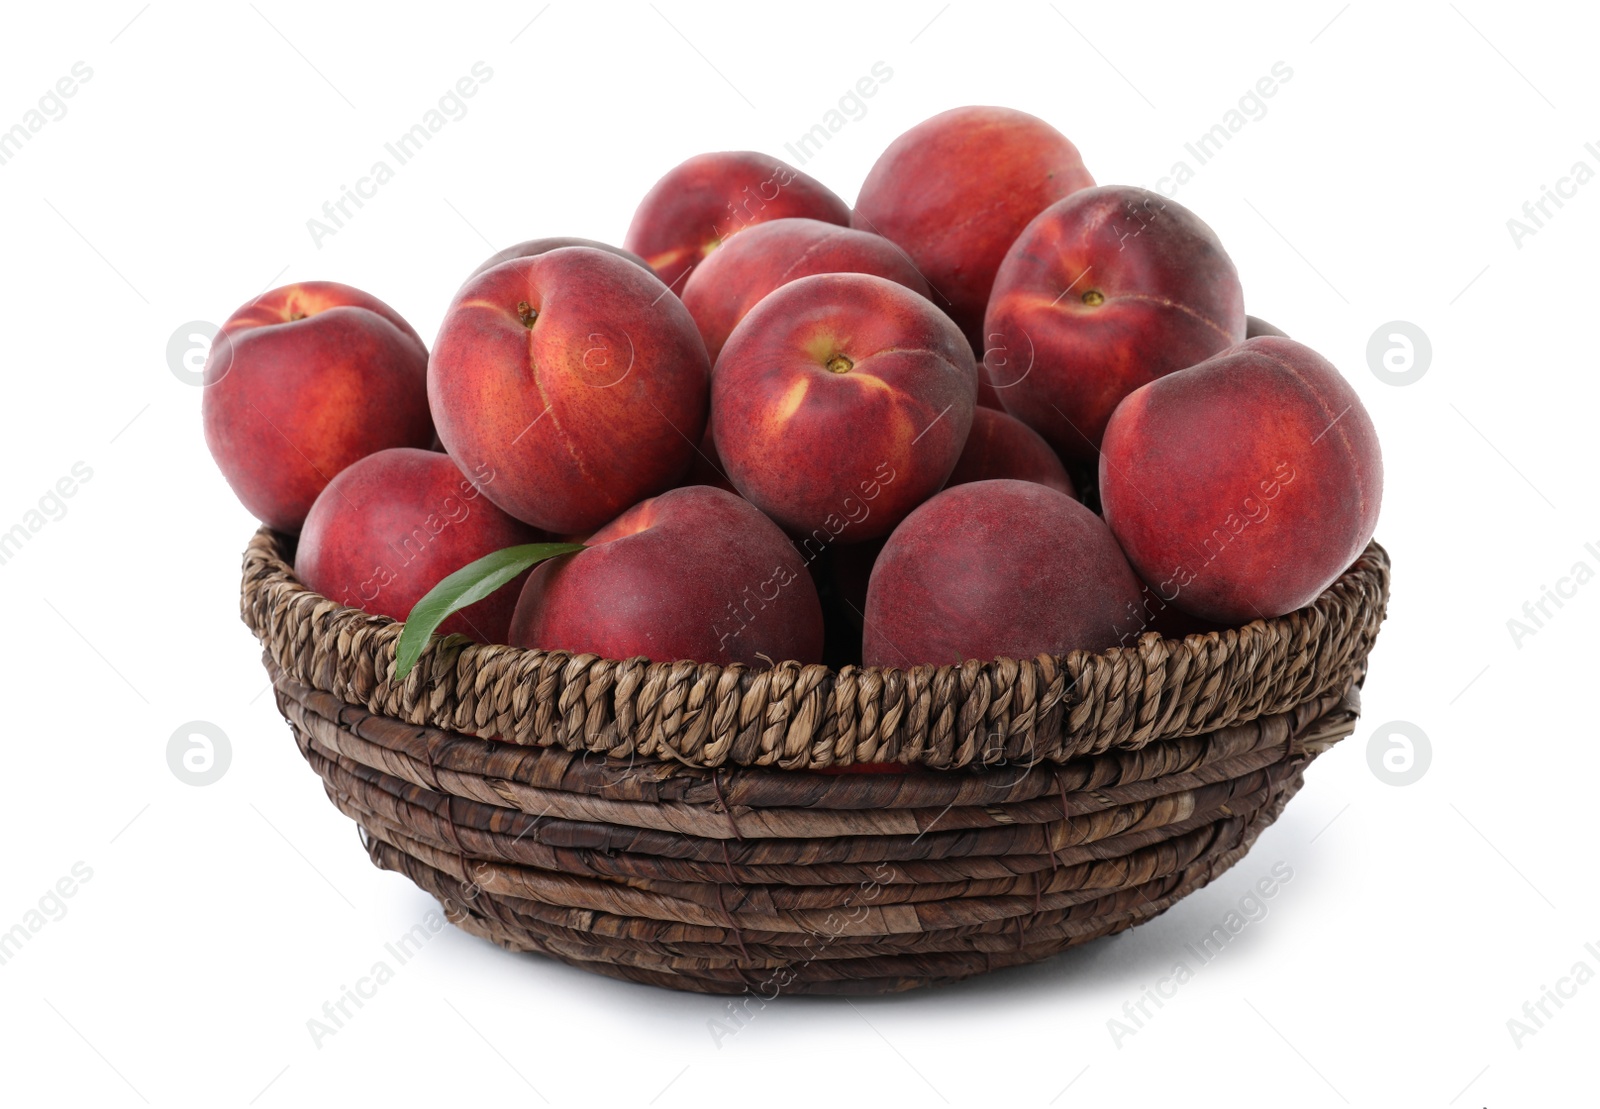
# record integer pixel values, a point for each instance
(724, 287)
(997, 569)
(696, 573)
(1242, 487)
(1104, 291)
(1002, 446)
(303, 381)
(576, 378)
(533, 247)
(956, 190)
(389, 527)
(701, 202)
(841, 402)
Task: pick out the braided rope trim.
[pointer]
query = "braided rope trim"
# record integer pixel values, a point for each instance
(794, 717)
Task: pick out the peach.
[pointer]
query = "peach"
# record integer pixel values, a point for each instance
(1103, 292)
(701, 202)
(723, 288)
(841, 402)
(1243, 486)
(696, 573)
(957, 189)
(390, 526)
(996, 569)
(533, 247)
(576, 379)
(1002, 446)
(303, 381)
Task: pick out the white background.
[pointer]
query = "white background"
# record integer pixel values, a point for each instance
(218, 920)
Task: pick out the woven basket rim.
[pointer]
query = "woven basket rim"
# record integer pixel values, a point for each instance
(810, 716)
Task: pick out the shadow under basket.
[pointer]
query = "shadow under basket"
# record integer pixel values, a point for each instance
(685, 825)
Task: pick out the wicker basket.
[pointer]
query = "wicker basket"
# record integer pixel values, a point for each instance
(677, 824)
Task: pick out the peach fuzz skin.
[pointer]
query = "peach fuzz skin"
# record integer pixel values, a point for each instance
(700, 203)
(694, 574)
(1242, 487)
(1105, 291)
(997, 569)
(303, 381)
(957, 189)
(533, 247)
(391, 526)
(736, 276)
(841, 402)
(576, 379)
(1002, 446)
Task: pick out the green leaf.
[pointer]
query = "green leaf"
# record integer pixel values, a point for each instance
(467, 586)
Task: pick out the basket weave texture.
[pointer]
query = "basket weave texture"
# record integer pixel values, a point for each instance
(675, 824)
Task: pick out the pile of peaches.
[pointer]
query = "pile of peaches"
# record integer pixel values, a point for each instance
(992, 411)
